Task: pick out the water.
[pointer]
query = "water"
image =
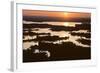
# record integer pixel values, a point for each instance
(56, 33)
(72, 24)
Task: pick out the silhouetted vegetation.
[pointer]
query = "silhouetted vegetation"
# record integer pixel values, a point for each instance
(87, 35)
(64, 51)
(34, 33)
(46, 38)
(58, 28)
(84, 41)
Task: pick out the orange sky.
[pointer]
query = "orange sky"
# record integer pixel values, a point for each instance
(56, 14)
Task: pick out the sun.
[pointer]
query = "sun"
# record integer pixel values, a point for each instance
(65, 13)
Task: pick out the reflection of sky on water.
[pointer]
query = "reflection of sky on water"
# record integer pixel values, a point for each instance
(56, 33)
(28, 44)
(81, 31)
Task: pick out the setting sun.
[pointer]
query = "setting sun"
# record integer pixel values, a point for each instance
(65, 13)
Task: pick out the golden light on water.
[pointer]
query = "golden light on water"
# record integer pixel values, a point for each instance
(66, 24)
(71, 24)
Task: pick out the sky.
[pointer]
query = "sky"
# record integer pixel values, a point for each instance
(56, 14)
